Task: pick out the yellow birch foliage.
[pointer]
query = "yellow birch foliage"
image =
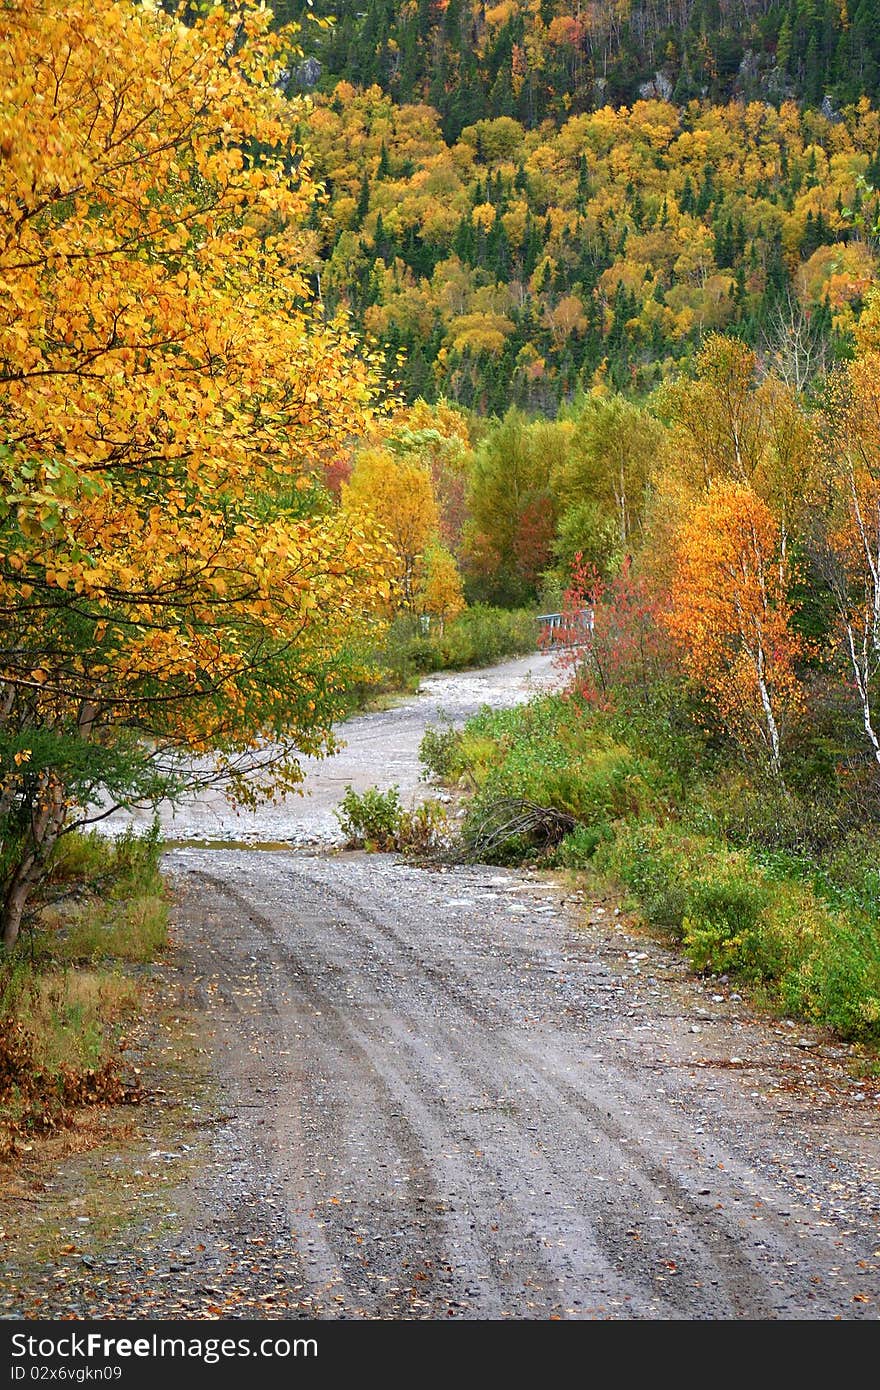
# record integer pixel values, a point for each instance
(729, 613)
(850, 555)
(395, 490)
(167, 390)
(440, 593)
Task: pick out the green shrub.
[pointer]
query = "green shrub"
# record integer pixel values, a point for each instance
(477, 637)
(440, 752)
(549, 753)
(816, 960)
(376, 820)
(722, 927)
(779, 888)
(371, 818)
(836, 980)
(578, 849)
(651, 862)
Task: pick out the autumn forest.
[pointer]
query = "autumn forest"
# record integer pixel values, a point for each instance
(337, 349)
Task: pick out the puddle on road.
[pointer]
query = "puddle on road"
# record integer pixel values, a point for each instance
(258, 846)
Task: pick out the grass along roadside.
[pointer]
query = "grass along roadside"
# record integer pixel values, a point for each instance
(479, 636)
(72, 988)
(642, 807)
(79, 1192)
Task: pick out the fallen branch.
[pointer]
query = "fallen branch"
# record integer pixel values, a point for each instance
(513, 818)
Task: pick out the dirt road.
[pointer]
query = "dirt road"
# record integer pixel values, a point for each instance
(473, 1093)
(380, 749)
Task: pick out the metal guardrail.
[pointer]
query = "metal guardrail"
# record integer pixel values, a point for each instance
(566, 629)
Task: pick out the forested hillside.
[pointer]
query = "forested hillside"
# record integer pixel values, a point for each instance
(520, 266)
(526, 200)
(537, 58)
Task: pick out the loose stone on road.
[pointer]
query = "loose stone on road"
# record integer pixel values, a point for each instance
(474, 1093)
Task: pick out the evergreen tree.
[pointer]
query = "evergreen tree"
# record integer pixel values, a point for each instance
(363, 203)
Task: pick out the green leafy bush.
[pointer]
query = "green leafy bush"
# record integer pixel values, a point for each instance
(549, 753)
(748, 879)
(370, 819)
(377, 820)
(578, 849)
(652, 863)
(723, 927)
(816, 960)
(440, 752)
(477, 637)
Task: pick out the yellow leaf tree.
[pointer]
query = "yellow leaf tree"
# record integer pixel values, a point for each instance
(170, 577)
(729, 612)
(439, 593)
(395, 491)
(849, 530)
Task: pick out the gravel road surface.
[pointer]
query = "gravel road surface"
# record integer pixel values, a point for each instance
(480, 1093)
(379, 749)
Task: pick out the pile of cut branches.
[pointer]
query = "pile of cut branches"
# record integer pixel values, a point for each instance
(513, 820)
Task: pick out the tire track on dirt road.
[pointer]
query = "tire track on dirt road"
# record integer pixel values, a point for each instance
(414, 1035)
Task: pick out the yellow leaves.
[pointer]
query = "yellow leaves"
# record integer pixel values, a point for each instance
(729, 611)
(481, 332)
(439, 590)
(483, 216)
(172, 369)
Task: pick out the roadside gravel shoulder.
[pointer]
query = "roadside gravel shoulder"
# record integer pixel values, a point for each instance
(528, 1110)
(374, 1090)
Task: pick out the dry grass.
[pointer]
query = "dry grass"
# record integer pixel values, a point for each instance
(132, 930)
(64, 995)
(68, 1014)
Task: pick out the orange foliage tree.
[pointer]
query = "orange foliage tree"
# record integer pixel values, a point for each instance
(170, 576)
(729, 613)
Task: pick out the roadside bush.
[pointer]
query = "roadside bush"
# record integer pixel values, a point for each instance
(731, 914)
(766, 883)
(440, 752)
(376, 820)
(425, 829)
(652, 863)
(578, 849)
(477, 637)
(549, 753)
(837, 981)
(723, 927)
(370, 819)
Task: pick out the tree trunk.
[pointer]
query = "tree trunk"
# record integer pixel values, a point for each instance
(23, 882)
(47, 820)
